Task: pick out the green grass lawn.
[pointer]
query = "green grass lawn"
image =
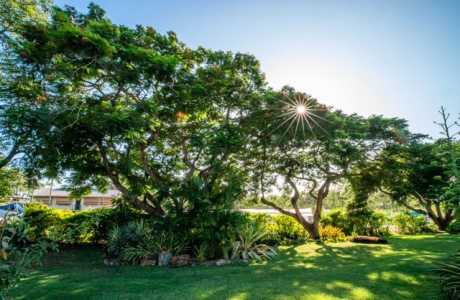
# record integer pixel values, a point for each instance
(400, 270)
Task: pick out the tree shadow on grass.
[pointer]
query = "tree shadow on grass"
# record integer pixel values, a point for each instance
(400, 270)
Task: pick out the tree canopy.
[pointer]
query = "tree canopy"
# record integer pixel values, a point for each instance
(332, 147)
(133, 108)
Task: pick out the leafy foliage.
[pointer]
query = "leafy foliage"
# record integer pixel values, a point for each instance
(454, 227)
(368, 223)
(131, 242)
(332, 148)
(248, 246)
(407, 223)
(160, 121)
(18, 252)
(449, 273)
(11, 182)
(279, 229)
(64, 226)
(332, 234)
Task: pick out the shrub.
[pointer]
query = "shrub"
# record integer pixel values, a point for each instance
(337, 218)
(367, 222)
(131, 242)
(65, 226)
(278, 229)
(40, 219)
(249, 246)
(18, 252)
(139, 240)
(449, 272)
(454, 227)
(332, 234)
(288, 229)
(410, 224)
(212, 232)
(84, 227)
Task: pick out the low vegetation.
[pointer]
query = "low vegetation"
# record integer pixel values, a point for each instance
(402, 269)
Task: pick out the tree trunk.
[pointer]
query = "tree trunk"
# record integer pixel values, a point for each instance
(314, 231)
(313, 227)
(440, 218)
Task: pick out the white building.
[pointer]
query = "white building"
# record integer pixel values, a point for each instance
(60, 198)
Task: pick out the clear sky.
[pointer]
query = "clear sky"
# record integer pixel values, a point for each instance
(396, 58)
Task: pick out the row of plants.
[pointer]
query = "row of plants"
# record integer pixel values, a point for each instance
(131, 237)
(373, 223)
(96, 226)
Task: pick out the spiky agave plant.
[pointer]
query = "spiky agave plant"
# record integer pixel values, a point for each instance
(248, 247)
(450, 277)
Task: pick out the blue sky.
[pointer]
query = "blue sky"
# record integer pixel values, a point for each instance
(396, 58)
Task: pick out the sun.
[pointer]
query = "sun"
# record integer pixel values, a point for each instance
(300, 109)
(300, 113)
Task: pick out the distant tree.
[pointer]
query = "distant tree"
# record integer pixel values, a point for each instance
(449, 145)
(416, 176)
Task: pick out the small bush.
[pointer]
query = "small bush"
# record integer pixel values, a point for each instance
(454, 227)
(279, 229)
(367, 223)
(337, 218)
(18, 253)
(84, 227)
(248, 245)
(409, 224)
(332, 234)
(138, 240)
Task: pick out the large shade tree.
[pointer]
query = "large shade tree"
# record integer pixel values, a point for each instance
(14, 14)
(108, 104)
(309, 147)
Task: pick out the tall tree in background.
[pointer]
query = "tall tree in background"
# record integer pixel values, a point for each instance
(416, 175)
(450, 150)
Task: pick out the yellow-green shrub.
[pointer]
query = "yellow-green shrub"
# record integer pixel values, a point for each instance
(332, 234)
(279, 228)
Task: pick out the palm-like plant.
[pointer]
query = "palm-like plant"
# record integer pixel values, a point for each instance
(248, 246)
(450, 277)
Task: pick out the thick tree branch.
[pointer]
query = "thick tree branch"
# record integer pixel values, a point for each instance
(6, 160)
(278, 208)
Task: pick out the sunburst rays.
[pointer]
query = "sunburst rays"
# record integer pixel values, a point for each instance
(300, 113)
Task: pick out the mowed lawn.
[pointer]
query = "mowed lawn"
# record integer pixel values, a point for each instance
(400, 270)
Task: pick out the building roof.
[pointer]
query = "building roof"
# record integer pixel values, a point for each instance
(45, 192)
